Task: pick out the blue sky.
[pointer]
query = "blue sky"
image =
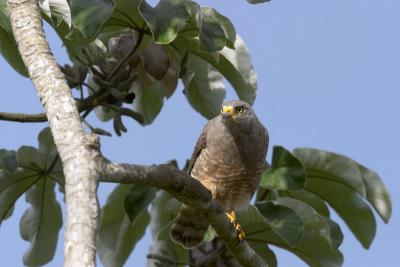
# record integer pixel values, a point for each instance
(328, 78)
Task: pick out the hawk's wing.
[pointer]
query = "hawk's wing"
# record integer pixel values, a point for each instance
(200, 145)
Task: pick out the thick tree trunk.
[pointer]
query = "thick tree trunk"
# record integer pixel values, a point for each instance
(74, 146)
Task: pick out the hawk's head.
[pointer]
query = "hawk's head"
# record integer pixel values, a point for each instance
(237, 112)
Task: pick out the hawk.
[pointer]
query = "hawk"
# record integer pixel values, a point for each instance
(228, 160)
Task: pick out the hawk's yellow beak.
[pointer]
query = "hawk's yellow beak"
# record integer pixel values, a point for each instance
(228, 110)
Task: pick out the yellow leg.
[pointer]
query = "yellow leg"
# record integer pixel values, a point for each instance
(232, 218)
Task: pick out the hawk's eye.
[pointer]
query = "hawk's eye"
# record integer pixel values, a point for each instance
(239, 110)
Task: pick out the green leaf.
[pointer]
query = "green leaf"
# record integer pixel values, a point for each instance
(337, 180)
(33, 166)
(235, 65)
(118, 235)
(41, 223)
(330, 167)
(163, 211)
(8, 160)
(12, 186)
(265, 253)
(204, 87)
(283, 221)
(309, 198)
(336, 234)
(149, 95)
(165, 19)
(57, 10)
(8, 48)
(212, 35)
(138, 198)
(286, 171)
(8, 45)
(88, 16)
(229, 29)
(376, 193)
(315, 248)
(125, 14)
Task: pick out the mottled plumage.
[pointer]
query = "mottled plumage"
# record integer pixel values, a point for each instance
(228, 160)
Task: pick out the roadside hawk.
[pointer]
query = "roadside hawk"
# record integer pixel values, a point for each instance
(228, 159)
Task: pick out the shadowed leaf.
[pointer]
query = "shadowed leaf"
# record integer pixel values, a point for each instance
(118, 235)
(286, 171)
(165, 19)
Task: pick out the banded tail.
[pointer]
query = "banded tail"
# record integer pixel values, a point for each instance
(189, 227)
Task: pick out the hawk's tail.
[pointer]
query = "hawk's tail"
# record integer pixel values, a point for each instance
(189, 227)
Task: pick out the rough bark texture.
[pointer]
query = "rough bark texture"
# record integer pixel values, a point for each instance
(189, 191)
(74, 146)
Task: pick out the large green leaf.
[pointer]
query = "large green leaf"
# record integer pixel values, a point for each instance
(337, 180)
(163, 211)
(33, 165)
(149, 94)
(88, 16)
(165, 19)
(212, 35)
(286, 171)
(317, 247)
(41, 223)
(125, 14)
(327, 166)
(8, 45)
(309, 198)
(138, 198)
(204, 87)
(118, 234)
(283, 221)
(376, 193)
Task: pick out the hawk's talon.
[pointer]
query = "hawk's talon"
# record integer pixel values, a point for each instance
(232, 218)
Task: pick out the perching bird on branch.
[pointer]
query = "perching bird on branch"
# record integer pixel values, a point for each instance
(228, 159)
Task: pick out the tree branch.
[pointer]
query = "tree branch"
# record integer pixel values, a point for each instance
(82, 105)
(189, 191)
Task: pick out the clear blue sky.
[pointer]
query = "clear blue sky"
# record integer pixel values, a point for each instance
(329, 78)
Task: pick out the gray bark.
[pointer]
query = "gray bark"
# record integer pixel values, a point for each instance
(74, 146)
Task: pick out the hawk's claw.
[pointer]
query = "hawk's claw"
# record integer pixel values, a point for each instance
(232, 218)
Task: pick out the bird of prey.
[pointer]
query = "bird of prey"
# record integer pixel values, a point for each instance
(228, 160)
